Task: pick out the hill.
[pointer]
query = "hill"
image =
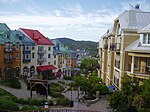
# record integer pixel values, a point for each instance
(73, 44)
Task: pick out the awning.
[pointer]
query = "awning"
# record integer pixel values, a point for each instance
(46, 67)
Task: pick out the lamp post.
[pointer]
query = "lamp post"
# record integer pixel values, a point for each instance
(133, 83)
(71, 103)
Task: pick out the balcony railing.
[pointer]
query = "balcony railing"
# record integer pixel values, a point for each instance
(8, 50)
(105, 46)
(8, 60)
(41, 60)
(117, 63)
(118, 46)
(141, 70)
(41, 51)
(112, 47)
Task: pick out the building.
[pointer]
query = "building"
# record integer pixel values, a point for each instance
(28, 54)
(44, 50)
(10, 48)
(62, 58)
(81, 54)
(139, 55)
(126, 30)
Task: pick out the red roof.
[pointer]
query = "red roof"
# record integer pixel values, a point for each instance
(37, 37)
(46, 67)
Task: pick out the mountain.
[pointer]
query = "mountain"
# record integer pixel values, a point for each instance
(87, 45)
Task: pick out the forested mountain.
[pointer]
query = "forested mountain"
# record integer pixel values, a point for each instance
(87, 45)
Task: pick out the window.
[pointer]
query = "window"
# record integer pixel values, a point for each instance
(32, 47)
(54, 56)
(33, 55)
(49, 48)
(49, 63)
(49, 55)
(136, 62)
(5, 35)
(148, 61)
(17, 46)
(27, 56)
(144, 38)
(17, 55)
(27, 48)
(148, 38)
(55, 62)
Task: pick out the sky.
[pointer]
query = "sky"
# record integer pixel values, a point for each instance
(75, 19)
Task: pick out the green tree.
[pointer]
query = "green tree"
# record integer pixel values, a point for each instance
(121, 100)
(88, 64)
(145, 94)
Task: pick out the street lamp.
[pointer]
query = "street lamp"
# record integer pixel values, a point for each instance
(71, 103)
(133, 83)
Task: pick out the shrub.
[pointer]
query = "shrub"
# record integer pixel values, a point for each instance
(7, 95)
(56, 94)
(8, 105)
(11, 82)
(56, 87)
(68, 78)
(50, 102)
(63, 101)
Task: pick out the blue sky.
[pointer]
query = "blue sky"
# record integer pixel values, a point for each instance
(76, 19)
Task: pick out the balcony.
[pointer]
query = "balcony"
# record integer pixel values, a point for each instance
(105, 46)
(41, 60)
(8, 50)
(8, 60)
(112, 47)
(41, 51)
(26, 60)
(117, 63)
(141, 72)
(118, 46)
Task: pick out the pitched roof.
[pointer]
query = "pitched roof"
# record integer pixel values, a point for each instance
(133, 19)
(36, 36)
(137, 47)
(6, 35)
(145, 29)
(26, 40)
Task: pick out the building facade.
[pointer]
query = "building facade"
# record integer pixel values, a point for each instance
(125, 31)
(44, 50)
(28, 54)
(10, 48)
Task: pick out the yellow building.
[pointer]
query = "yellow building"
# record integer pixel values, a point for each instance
(126, 30)
(139, 55)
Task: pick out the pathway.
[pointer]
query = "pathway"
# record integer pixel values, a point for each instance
(21, 93)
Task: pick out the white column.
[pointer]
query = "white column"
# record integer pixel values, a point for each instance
(132, 65)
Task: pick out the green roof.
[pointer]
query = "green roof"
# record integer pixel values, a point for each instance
(6, 35)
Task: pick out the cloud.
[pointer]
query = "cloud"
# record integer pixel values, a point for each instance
(72, 21)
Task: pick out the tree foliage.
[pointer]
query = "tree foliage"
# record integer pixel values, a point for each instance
(88, 64)
(122, 100)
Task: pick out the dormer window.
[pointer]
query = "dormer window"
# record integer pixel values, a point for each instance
(146, 39)
(4, 35)
(17, 46)
(39, 40)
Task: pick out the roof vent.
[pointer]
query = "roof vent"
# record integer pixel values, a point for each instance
(137, 6)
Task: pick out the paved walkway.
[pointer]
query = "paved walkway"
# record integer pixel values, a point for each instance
(21, 93)
(100, 106)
